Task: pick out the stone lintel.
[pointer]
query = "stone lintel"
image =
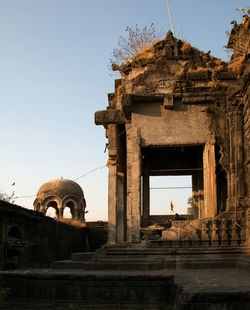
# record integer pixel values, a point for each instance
(226, 75)
(203, 75)
(191, 99)
(146, 98)
(109, 116)
(129, 99)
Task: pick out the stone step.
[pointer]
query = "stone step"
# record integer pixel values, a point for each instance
(112, 265)
(79, 290)
(166, 257)
(179, 262)
(168, 251)
(83, 256)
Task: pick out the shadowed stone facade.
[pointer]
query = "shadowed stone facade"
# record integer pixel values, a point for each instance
(177, 111)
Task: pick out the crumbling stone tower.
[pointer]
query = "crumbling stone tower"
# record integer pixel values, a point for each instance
(176, 111)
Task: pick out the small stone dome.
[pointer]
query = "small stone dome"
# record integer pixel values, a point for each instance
(59, 194)
(60, 187)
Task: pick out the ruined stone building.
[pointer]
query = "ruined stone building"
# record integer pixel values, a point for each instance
(177, 111)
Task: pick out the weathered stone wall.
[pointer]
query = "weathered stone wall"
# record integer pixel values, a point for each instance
(238, 99)
(183, 125)
(45, 239)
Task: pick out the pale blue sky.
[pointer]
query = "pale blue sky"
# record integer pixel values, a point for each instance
(53, 77)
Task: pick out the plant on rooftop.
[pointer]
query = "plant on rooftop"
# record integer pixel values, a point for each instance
(72, 222)
(6, 197)
(245, 14)
(132, 44)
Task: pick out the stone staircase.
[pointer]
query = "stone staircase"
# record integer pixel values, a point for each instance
(150, 257)
(142, 276)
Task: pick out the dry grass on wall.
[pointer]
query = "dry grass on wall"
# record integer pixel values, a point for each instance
(72, 222)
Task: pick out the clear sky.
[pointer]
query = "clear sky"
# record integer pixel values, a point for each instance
(54, 75)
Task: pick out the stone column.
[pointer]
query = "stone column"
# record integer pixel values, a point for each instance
(200, 194)
(195, 196)
(60, 208)
(112, 183)
(120, 212)
(235, 160)
(210, 191)
(112, 204)
(146, 199)
(247, 232)
(133, 184)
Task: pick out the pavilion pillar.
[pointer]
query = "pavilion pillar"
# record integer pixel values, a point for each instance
(112, 204)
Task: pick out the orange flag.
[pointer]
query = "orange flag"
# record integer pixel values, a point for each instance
(171, 206)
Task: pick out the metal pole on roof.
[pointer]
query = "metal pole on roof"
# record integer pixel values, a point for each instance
(170, 16)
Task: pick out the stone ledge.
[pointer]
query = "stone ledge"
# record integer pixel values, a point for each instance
(109, 116)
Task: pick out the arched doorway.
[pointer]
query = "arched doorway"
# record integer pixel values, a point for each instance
(14, 248)
(70, 209)
(52, 209)
(67, 213)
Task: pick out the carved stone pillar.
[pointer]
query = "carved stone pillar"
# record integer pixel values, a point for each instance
(112, 183)
(247, 231)
(120, 211)
(210, 191)
(133, 184)
(145, 210)
(112, 204)
(195, 195)
(235, 157)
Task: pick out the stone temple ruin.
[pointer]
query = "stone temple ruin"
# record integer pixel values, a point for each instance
(177, 111)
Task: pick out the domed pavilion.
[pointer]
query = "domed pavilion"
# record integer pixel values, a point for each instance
(60, 194)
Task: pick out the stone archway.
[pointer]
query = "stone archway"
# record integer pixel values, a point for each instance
(14, 246)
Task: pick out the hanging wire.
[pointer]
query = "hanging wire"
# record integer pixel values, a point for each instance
(177, 187)
(81, 176)
(24, 196)
(84, 175)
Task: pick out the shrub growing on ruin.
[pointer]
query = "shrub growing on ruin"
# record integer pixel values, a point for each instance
(132, 44)
(6, 197)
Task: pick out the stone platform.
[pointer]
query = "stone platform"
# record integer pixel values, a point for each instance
(134, 277)
(208, 289)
